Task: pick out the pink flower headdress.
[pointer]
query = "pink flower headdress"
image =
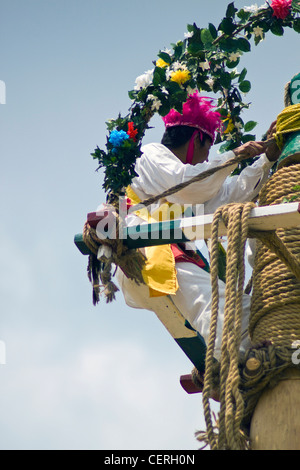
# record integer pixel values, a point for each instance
(198, 112)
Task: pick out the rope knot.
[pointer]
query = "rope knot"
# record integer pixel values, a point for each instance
(105, 253)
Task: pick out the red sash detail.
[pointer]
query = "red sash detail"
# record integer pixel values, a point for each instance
(182, 256)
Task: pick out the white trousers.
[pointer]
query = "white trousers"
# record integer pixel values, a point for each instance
(193, 299)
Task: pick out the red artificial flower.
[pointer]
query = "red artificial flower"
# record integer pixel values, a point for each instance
(131, 131)
(281, 8)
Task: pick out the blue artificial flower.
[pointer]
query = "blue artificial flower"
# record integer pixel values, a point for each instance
(118, 137)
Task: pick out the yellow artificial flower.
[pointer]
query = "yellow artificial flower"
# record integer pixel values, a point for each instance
(161, 63)
(180, 76)
(230, 126)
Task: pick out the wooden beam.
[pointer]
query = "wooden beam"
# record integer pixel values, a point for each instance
(188, 385)
(265, 218)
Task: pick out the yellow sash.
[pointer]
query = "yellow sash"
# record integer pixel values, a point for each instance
(159, 272)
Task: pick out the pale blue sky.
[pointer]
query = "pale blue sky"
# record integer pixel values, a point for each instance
(80, 377)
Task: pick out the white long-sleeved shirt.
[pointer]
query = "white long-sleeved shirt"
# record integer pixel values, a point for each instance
(159, 169)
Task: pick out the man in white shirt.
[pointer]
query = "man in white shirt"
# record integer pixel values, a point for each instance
(182, 155)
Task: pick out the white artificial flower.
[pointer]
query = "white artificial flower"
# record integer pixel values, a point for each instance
(217, 67)
(264, 6)
(156, 103)
(204, 65)
(255, 8)
(164, 90)
(229, 136)
(258, 32)
(251, 9)
(191, 90)
(210, 82)
(234, 56)
(167, 51)
(144, 80)
(238, 125)
(179, 66)
(188, 35)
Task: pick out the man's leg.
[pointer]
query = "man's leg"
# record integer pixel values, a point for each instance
(194, 300)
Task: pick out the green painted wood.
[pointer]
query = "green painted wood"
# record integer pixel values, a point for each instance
(78, 240)
(158, 233)
(195, 349)
(291, 151)
(295, 89)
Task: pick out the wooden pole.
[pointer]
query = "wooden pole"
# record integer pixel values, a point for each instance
(276, 420)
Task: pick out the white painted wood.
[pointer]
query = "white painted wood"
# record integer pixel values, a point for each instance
(261, 218)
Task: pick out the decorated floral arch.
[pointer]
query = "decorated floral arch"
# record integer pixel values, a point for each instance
(206, 59)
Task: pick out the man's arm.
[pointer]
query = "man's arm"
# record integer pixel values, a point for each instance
(269, 147)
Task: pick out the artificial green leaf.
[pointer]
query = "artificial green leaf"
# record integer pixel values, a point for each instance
(206, 37)
(244, 15)
(247, 138)
(173, 87)
(245, 86)
(164, 109)
(178, 107)
(257, 40)
(223, 112)
(296, 5)
(213, 31)
(296, 25)
(224, 147)
(231, 10)
(227, 26)
(236, 111)
(277, 29)
(244, 45)
(132, 94)
(249, 126)
(242, 75)
(180, 97)
(159, 76)
(232, 64)
(225, 80)
(228, 45)
(196, 49)
(178, 50)
(164, 56)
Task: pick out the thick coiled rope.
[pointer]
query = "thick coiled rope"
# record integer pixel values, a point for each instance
(275, 309)
(288, 121)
